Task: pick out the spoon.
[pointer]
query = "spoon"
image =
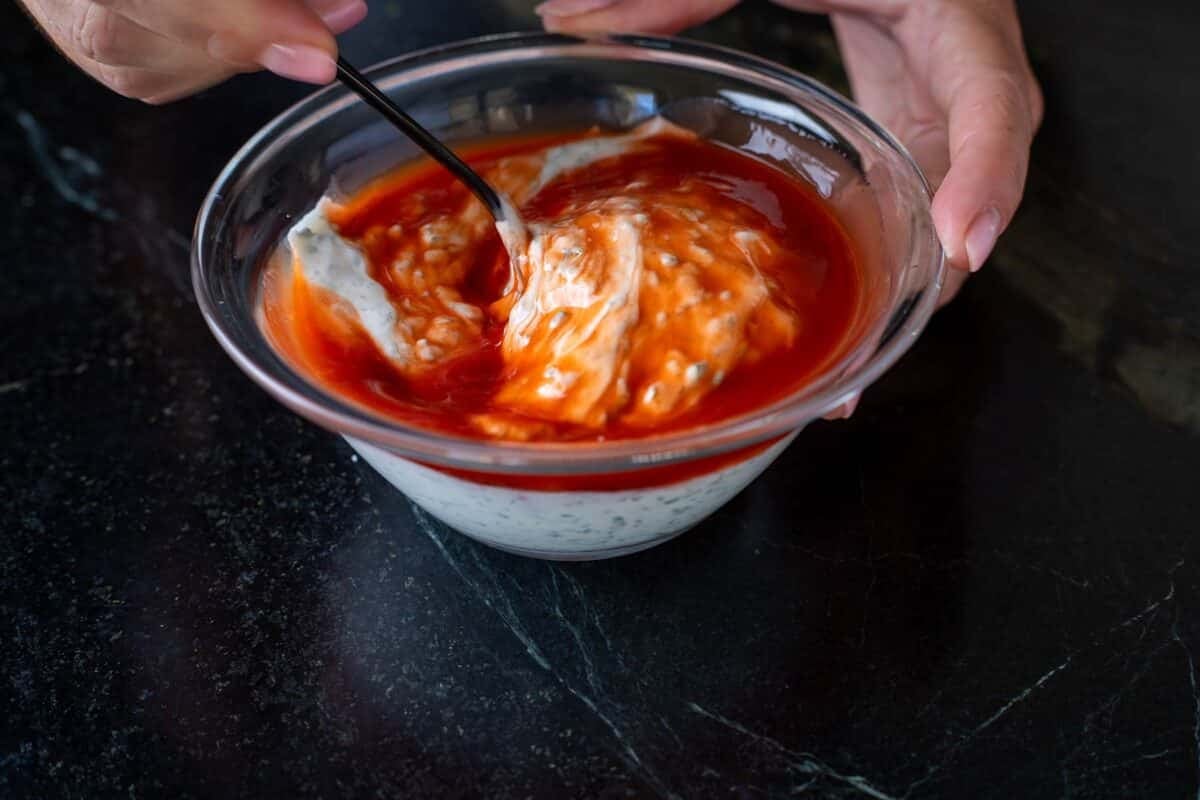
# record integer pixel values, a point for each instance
(508, 223)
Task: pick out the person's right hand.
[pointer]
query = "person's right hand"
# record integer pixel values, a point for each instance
(160, 50)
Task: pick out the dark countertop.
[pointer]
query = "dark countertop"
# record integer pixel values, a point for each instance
(985, 584)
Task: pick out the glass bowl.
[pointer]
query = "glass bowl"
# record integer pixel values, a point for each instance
(574, 500)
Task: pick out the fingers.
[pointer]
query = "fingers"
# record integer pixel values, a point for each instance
(991, 129)
(886, 88)
(161, 50)
(284, 36)
(641, 16)
(973, 60)
(110, 38)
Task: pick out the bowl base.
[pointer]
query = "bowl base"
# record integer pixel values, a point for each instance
(579, 555)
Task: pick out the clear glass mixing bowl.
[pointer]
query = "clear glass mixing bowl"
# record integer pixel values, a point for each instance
(605, 498)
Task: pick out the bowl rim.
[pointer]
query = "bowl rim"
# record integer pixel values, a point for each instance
(623, 455)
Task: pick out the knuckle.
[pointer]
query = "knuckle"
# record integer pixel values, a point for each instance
(999, 95)
(96, 34)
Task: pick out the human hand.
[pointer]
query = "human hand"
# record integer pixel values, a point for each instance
(160, 50)
(949, 78)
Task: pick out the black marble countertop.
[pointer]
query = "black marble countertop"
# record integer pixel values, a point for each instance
(985, 584)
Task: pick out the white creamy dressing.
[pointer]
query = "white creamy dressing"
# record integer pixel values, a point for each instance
(566, 338)
(576, 155)
(338, 266)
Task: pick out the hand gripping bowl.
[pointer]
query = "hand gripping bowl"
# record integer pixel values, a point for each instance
(574, 500)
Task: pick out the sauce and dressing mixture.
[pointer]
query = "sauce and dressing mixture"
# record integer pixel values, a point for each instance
(668, 282)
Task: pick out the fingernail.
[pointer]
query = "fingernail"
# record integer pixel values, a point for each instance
(571, 8)
(300, 62)
(341, 15)
(981, 237)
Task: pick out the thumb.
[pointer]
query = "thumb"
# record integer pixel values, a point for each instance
(630, 16)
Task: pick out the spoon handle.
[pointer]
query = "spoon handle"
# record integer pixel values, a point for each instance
(372, 96)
